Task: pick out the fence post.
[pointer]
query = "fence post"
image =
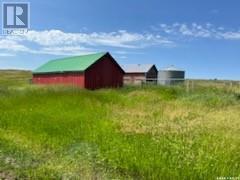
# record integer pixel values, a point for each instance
(187, 86)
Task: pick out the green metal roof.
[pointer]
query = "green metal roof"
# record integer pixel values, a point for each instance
(70, 64)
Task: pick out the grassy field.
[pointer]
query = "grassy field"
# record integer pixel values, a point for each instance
(129, 133)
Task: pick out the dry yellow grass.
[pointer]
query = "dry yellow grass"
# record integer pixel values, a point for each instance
(159, 117)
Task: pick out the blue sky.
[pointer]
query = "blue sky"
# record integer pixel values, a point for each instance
(202, 37)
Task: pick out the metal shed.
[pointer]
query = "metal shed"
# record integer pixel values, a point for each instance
(92, 71)
(137, 74)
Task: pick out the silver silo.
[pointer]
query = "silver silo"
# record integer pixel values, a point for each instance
(170, 76)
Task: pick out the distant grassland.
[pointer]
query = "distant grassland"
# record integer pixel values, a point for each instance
(14, 78)
(129, 133)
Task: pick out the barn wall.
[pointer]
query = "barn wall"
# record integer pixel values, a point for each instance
(134, 78)
(103, 74)
(152, 73)
(74, 78)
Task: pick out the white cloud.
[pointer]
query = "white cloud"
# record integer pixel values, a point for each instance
(66, 50)
(230, 35)
(11, 45)
(121, 38)
(195, 30)
(122, 57)
(57, 42)
(7, 55)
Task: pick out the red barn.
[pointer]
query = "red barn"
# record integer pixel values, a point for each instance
(90, 71)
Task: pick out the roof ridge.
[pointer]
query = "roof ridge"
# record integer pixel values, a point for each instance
(71, 57)
(137, 67)
(74, 63)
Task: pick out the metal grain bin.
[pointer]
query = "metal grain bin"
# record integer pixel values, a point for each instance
(171, 76)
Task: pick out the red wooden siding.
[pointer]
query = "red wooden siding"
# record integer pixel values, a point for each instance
(70, 78)
(103, 74)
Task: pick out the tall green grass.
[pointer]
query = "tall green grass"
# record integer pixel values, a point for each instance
(129, 133)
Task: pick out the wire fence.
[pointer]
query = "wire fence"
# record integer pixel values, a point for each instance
(189, 84)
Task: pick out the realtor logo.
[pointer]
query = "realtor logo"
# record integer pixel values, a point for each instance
(16, 17)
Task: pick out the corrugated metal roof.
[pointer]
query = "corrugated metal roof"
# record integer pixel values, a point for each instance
(70, 64)
(172, 68)
(137, 68)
